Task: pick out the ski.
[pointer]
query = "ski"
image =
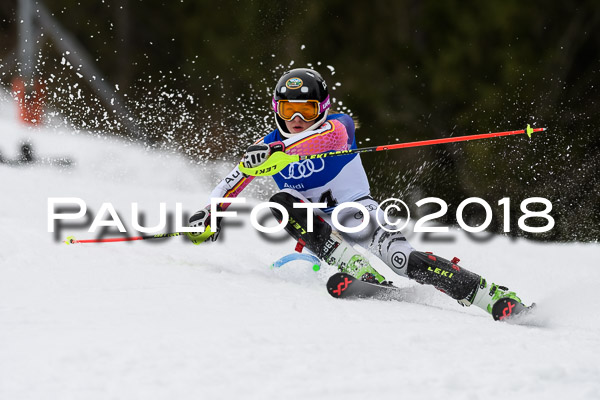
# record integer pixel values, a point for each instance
(343, 286)
(508, 309)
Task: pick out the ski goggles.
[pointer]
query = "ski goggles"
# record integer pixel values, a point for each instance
(308, 110)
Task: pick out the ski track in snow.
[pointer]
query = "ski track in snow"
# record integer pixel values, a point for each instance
(170, 320)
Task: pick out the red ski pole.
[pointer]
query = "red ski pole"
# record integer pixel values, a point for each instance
(279, 160)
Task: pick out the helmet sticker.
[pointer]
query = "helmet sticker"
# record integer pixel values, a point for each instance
(294, 83)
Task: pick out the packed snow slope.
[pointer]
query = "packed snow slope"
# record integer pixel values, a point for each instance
(170, 320)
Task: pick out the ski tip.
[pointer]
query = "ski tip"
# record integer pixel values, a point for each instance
(530, 316)
(338, 283)
(511, 310)
(70, 240)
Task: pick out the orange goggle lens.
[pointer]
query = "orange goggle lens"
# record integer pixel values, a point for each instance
(308, 110)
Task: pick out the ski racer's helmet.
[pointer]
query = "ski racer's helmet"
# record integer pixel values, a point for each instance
(302, 92)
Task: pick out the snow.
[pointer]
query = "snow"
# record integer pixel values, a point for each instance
(170, 320)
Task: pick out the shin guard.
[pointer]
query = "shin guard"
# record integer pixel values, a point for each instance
(316, 240)
(445, 275)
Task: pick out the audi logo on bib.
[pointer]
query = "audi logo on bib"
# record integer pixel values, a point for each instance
(303, 169)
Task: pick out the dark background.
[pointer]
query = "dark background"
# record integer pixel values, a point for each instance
(197, 77)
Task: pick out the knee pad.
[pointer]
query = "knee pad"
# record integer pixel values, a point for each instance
(445, 275)
(297, 225)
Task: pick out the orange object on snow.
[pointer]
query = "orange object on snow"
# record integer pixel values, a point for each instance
(30, 100)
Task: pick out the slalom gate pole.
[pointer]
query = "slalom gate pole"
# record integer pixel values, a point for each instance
(279, 160)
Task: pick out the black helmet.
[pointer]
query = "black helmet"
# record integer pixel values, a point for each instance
(301, 84)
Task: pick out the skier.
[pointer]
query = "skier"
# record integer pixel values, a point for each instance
(301, 106)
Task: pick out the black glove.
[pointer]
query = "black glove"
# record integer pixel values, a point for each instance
(258, 153)
(201, 219)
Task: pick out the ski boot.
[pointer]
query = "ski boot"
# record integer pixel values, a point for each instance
(341, 254)
(496, 300)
